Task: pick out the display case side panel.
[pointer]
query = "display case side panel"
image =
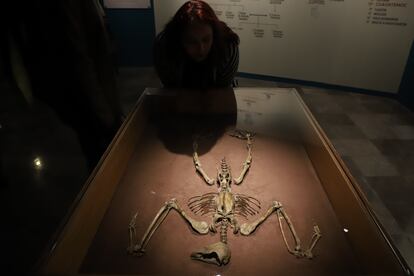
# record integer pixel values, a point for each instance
(360, 227)
(72, 245)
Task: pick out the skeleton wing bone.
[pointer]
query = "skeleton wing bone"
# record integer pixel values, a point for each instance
(248, 228)
(201, 227)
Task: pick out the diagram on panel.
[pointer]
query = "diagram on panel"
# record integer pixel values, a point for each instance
(227, 12)
(238, 16)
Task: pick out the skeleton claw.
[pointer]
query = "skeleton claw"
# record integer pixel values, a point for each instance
(242, 134)
(137, 251)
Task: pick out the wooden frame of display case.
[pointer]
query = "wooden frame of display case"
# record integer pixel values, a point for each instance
(366, 236)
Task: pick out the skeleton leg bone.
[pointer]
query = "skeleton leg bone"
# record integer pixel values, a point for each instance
(248, 228)
(201, 227)
(199, 169)
(247, 163)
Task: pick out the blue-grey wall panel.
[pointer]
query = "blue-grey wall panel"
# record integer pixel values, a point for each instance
(133, 31)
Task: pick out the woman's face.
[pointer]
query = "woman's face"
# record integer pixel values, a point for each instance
(197, 40)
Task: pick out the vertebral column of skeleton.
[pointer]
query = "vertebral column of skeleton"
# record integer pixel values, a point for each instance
(224, 200)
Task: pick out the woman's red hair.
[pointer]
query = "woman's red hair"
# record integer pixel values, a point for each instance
(198, 11)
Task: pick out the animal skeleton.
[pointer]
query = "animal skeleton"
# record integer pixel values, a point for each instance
(224, 207)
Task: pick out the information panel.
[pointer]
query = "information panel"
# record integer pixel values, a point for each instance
(357, 43)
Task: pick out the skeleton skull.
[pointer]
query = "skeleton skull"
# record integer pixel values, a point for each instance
(216, 253)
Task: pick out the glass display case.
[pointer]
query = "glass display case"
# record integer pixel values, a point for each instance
(288, 186)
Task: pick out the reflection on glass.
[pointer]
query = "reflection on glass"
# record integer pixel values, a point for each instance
(38, 164)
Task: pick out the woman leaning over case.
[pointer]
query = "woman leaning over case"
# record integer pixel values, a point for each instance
(196, 49)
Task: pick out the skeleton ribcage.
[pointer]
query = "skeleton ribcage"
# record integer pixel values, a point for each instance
(246, 205)
(207, 204)
(204, 204)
